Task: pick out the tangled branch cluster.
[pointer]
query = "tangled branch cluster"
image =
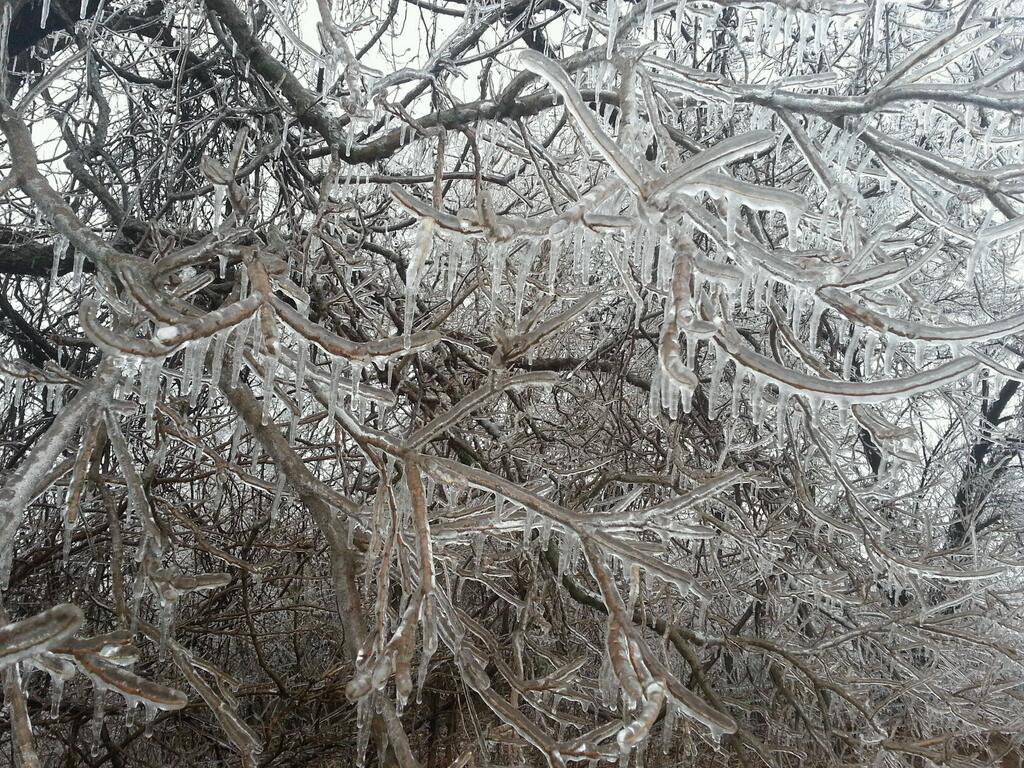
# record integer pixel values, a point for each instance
(533, 382)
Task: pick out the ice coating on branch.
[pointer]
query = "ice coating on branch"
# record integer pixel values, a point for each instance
(843, 391)
(30, 478)
(29, 637)
(559, 81)
(677, 311)
(865, 316)
(136, 690)
(730, 150)
(336, 345)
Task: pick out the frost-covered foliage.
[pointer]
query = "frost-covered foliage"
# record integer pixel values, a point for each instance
(517, 383)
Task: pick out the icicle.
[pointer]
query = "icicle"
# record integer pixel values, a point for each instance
(430, 637)
(275, 505)
(780, 20)
(891, 344)
(239, 333)
(634, 589)
(257, 453)
(608, 683)
(813, 404)
(844, 417)
(60, 243)
(332, 394)
(737, 386)
(166, 622)
(497, 270)
(478, 552)
(69, 528)
(270, 369)
(670, 397)
(79, 265)
(781, 412)
(149, 385)
(654, 393)
(150, 719)
(802, 35)
(851, 351)
(218, 204)
(664, 269)
(647, 259)
(589, 244)
(198, 350)
(138, 591)
(741, 20)
(743, 294)
(364, 712)
(528, 523)
(96, 726)
(757, 402)
(721, 359)
(453, 270)
(763, 19)
(414, 273)
(357, 376)
(222, 259)
(870, 342)
(553, 254)
(545, 533)
(45, 15)
(220, 342)
(522, 275)
(715, 734)
(56, 693)
(816, 312)
(762, 287)
(300, 373)
(691, 350)
(732, 215)
(821, 32)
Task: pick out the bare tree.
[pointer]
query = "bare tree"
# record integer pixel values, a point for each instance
(456, 383)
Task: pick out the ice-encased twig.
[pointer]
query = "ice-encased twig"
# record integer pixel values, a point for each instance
(22, 485)
(370, 351)
(729, 150)
(858, 313)
(555, 76)
(476, 399)
(841, 391)
(28, 637)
